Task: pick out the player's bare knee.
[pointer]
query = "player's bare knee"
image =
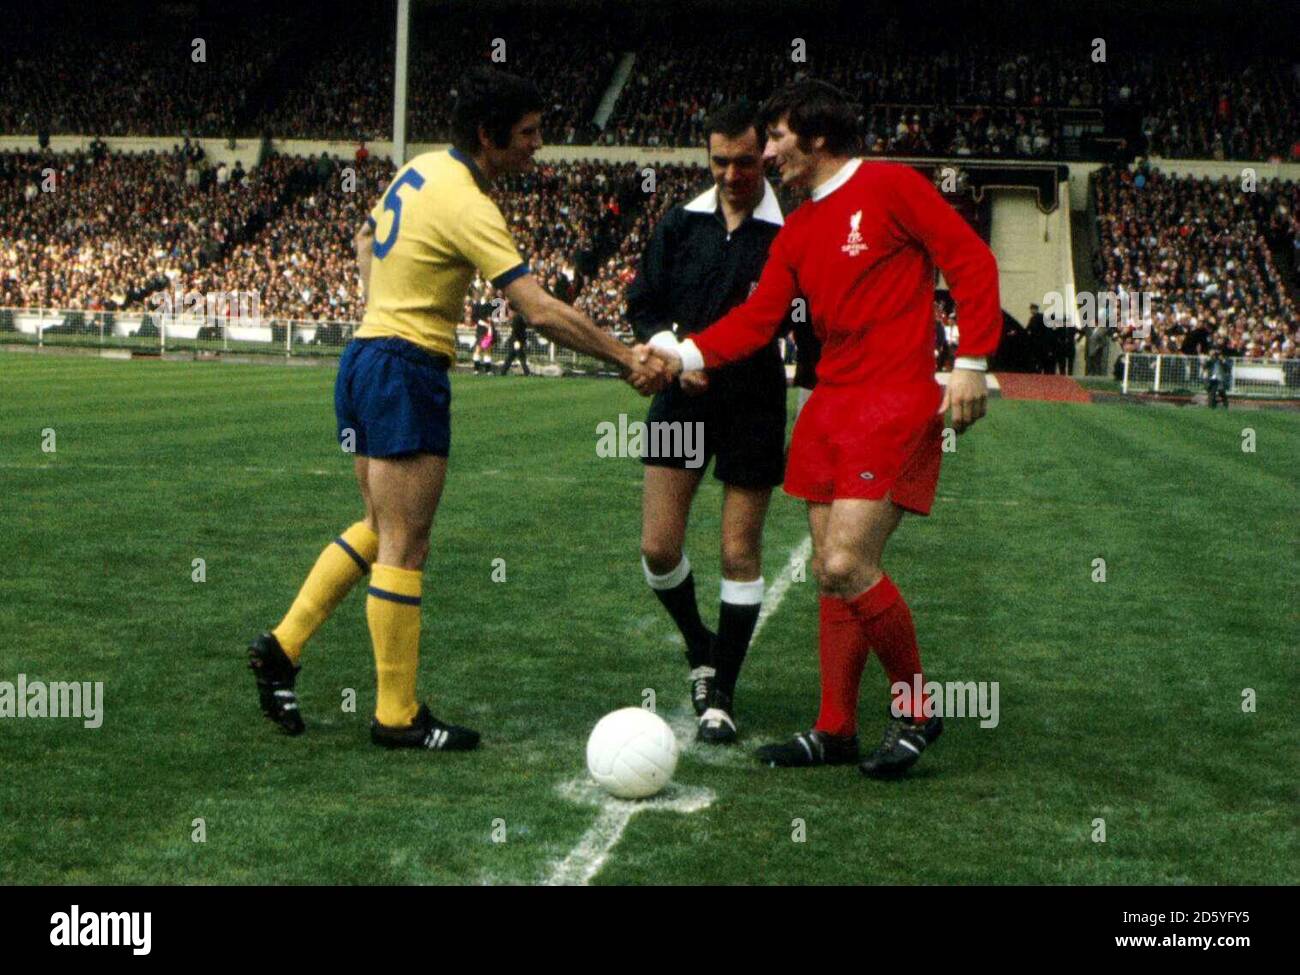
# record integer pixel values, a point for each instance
(741, 561)
(403, 547)
(415, 554)
(842, 573)
(661, 558)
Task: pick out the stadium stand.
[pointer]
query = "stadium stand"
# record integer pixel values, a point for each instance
(347, 92)
(109, 232)
(960, 102)
(124, 229)
(1204, 250)
(330, 75)
(95, 73)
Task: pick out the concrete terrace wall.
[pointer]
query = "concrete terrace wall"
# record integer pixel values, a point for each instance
(1033, 250)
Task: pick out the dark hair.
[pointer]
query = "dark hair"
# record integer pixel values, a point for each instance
(815, 108)
(495, 100)
(733, 121)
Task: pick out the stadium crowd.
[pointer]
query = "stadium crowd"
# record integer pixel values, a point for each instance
(113, 232)
(349, 92)
(950, 104)
(586, 245)
(971, 102)
(104, 230)
(1203, 251)
(302, 263)
(350, 95)
(101, 231)
(153, 81)
(266, 71)
(604, 296)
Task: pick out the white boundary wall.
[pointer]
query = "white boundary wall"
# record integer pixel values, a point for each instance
(246, 150)
(1182, 374)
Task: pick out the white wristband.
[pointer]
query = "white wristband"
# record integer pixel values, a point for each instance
(978, 363)
(665, 340)
(692, 357)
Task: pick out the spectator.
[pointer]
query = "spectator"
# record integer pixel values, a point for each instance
(1041, 344)
(1218, 376)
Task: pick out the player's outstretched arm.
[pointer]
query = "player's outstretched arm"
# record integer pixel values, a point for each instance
(572, 329)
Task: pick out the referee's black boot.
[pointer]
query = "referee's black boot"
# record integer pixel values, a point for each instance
(702, 679)
(703, 676)
(717, 727)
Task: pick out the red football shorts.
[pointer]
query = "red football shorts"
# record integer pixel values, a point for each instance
(858, 442)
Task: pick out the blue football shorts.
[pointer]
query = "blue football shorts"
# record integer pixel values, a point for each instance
(392, 399)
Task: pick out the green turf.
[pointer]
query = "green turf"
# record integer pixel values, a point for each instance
(1119, 700)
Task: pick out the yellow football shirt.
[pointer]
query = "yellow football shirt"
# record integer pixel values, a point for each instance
(434, 225)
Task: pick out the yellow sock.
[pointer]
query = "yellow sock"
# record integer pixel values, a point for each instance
(344, 561)
(393, 612)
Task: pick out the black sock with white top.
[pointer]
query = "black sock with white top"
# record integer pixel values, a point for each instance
(676, 590)
(737, 618)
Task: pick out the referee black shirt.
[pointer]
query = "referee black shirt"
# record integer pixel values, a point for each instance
(693, 272)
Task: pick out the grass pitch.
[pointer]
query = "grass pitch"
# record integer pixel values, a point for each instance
(1119, 700)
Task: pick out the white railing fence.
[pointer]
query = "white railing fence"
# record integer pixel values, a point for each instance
(1184, 374)
(152, 333)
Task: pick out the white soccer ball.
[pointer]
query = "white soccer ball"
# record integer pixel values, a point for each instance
(632, 753)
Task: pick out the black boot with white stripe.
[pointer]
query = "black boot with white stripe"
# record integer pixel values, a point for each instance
(275, 675)
(717, 727)
(810, 748)
(902, 745)
(425, 731)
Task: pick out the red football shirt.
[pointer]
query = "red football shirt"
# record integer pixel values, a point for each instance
(863, 257)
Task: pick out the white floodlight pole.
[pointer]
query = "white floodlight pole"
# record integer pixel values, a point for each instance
(399, 82)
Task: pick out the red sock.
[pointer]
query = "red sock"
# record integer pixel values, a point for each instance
(844, 650)
(887, 623)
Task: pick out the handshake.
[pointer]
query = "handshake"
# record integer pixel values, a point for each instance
(656, 363)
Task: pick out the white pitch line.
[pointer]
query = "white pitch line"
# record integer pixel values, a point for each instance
(772, 598)
(585, 860)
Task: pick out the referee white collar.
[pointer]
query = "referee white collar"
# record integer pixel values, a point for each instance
(835, 182)
(768, 209)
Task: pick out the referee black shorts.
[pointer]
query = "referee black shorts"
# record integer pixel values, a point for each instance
(743, 429)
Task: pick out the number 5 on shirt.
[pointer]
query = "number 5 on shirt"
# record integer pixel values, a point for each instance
(393, 202)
